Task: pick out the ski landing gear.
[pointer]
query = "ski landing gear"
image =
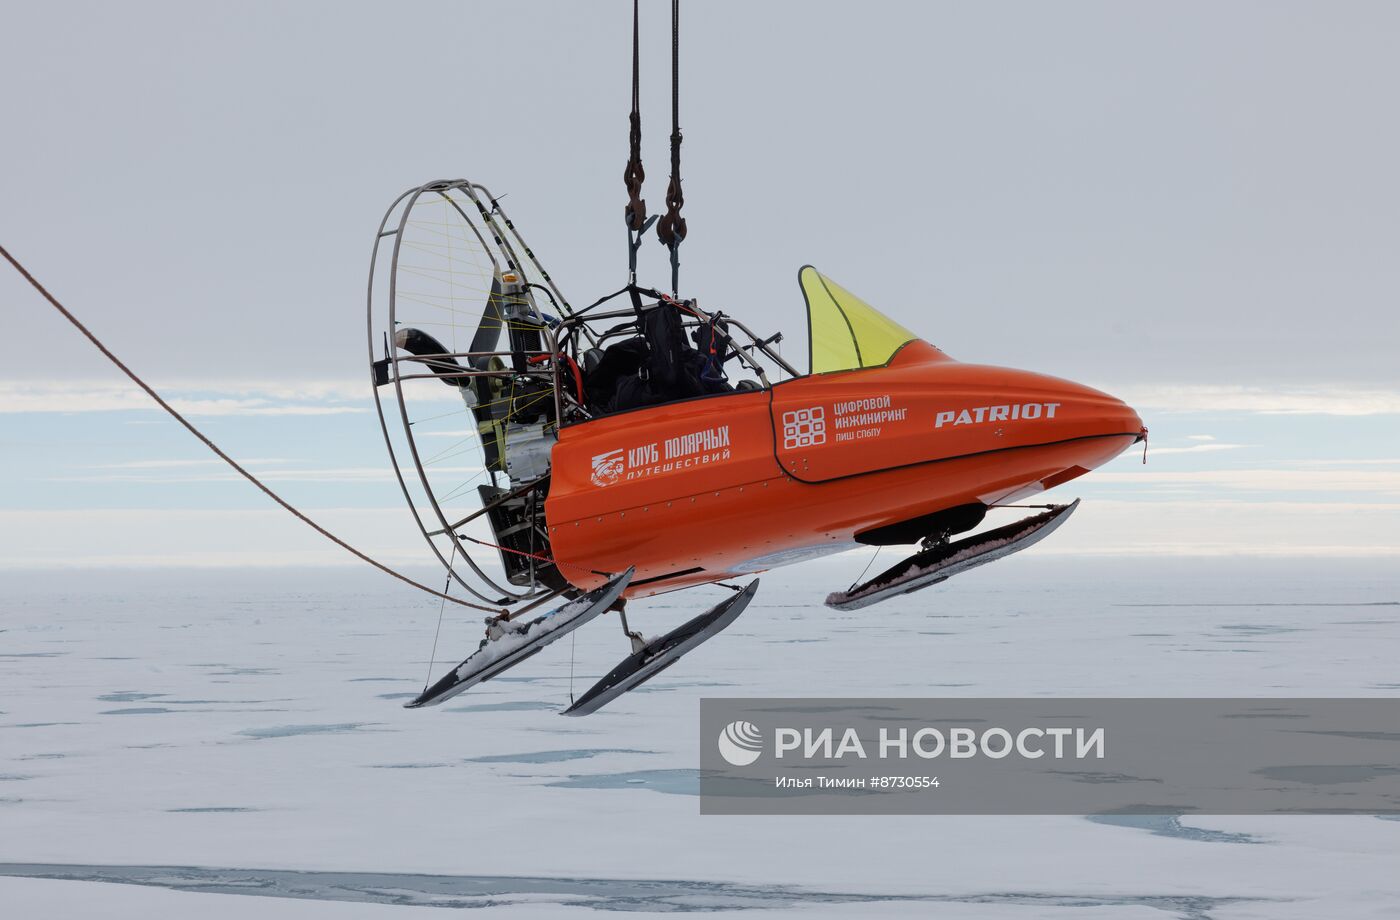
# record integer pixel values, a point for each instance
(943, 560)
(507, 643)
(649, 659)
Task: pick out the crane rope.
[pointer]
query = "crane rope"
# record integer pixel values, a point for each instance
(671, 228)
(633, 175)
(237, 467)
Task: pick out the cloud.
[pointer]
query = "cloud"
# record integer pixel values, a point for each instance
(196, 538)
(1193, 449)
(328, 397)
(1363, 461)
(1317, 399)
(199, 400)
(156, 471)
(177, 464)
(1229, 527)
(204, 538)
(1383, 482)
(203, 398)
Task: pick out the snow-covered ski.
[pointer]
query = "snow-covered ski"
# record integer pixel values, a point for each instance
(943, 562)
(662, 652)
(511, 643)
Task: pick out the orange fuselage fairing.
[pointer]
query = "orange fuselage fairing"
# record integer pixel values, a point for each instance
(707, 489)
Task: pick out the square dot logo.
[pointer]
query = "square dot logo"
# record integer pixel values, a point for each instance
(804, 428)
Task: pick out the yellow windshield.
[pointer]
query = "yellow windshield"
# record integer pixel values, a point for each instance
(845, 332)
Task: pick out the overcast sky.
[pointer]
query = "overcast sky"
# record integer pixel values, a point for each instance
(1196, 205)
(1177, 193)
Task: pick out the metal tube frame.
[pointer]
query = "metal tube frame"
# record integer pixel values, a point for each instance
(571, 327)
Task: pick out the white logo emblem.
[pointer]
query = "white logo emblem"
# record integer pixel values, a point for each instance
(804, 428)
(740, 743)
(607, 468)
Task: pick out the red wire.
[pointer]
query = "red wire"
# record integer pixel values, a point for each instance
(573, 365)
(578, 378)
(537, 556)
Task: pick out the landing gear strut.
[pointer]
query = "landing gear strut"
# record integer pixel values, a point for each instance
(938, 559)
(637, 639)
(651, 658)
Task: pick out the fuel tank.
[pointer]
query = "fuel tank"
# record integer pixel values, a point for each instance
(708, 489)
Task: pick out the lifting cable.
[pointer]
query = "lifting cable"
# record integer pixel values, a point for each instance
(442, 608)
(634, 175)
(671, 229)
(358, 554)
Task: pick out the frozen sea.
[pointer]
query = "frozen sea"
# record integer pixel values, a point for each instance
(232, 742)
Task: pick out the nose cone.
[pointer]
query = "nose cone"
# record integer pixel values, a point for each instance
(998, 408)
(1002, 425)
(1072, 410)
(1088, 412)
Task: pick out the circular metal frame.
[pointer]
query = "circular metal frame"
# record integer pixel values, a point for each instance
(498, 239)
(435, 521)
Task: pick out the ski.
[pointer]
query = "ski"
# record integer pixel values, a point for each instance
(507, 644)
(943, 562)
(662, 652)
